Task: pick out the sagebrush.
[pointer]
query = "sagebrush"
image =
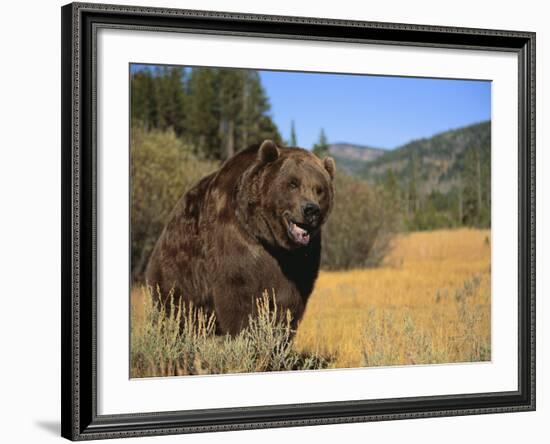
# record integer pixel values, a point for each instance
(162, 168)
(183, 341)
(361, 227)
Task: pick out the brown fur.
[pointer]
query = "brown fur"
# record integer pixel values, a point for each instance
(227, 239)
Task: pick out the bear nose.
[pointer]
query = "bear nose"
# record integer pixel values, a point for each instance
(311, 212)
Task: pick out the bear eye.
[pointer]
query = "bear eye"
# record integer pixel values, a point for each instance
(293, 184)
(319, 191)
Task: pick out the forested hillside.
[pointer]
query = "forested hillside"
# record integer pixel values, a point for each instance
(439, 161)
(352, 158)
(440, 181)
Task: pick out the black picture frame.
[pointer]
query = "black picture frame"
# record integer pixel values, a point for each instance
(78, 332)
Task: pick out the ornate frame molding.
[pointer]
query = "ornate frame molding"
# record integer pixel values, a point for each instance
(80, 22)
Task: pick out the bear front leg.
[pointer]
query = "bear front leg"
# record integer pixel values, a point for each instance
(236, 300)
(233, 304)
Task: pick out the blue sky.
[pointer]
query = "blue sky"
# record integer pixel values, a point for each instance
(379, 111)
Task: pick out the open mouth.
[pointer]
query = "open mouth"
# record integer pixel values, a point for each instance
(299, 232)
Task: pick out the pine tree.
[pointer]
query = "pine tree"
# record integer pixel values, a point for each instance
(203, 115)
(413, 203)
(175, 114)
(255, 105)
(261, 125)
(170, 99)
(144, 99)
(217, 111)
(471, 187)
(460, 199)
(321, 148)
(293, 138)
(230, 103)
(391, 185)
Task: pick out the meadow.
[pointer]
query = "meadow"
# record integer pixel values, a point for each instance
(428, 303)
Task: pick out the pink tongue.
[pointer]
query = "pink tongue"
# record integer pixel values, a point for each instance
(300, 235)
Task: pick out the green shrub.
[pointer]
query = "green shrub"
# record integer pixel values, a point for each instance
(162, 169)
(182, 341)
(361, 226)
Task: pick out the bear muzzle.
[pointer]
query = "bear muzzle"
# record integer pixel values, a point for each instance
(312, 213)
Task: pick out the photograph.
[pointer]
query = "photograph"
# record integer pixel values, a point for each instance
(272, 220)
(295, 220)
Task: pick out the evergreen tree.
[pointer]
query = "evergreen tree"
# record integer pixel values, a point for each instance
(216, 111)
(485, 186)
(176, 108)
(293, 138)
(321, 149)
(460, 200)
(256, 124)
(203, 116)
(170, 99)
(231, 104)
(143, 99)
(471, 186)
(413, 203)
(267, 129)
(391, 185)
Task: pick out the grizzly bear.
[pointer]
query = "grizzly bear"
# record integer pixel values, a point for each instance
(251, 226)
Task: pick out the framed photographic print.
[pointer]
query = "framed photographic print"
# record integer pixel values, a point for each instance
(278, 221)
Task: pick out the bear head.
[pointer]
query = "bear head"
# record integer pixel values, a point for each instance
(285, 195)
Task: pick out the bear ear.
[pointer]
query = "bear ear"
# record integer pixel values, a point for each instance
(330, 166)
(268, 152)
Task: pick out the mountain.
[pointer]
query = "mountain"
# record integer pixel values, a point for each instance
(353, 158)
(442, 181)
(437, 163)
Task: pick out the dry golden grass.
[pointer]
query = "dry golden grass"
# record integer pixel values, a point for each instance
(430, 303)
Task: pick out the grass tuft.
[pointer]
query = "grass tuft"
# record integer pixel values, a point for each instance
(182, 341)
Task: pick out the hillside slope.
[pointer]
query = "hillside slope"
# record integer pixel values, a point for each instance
(437, 163)
(352, 158)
